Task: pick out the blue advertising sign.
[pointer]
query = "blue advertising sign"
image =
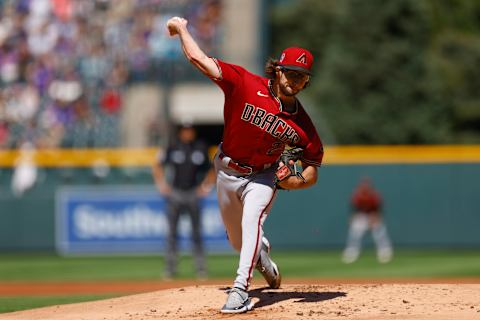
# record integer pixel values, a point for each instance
(127, 219)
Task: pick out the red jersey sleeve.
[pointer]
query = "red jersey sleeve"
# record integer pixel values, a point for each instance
(231, 75)
(313, 151)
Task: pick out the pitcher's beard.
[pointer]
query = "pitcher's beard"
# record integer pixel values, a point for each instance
(288, 93)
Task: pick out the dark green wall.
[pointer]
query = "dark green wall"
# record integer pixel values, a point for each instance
(425, 205)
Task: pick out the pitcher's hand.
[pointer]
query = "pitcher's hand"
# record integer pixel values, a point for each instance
(175, 24)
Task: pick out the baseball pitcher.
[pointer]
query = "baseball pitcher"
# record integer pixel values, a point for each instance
(262, 116)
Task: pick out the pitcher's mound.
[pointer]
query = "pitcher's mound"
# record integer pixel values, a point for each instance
(346, 301)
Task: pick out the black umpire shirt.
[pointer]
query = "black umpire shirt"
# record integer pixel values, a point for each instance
(187, 164)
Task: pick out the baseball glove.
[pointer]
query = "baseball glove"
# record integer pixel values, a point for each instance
(289, 168)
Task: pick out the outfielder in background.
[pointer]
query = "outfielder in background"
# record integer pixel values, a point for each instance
(366, 205)
(261, 116)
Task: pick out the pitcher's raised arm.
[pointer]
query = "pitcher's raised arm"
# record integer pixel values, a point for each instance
(178, 26)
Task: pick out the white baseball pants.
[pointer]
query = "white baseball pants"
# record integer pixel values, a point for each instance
(244, 203)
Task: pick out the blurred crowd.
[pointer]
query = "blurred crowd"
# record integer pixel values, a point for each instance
(65, 64)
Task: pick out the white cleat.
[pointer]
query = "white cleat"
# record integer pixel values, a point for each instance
(237, 302)
(267, 267)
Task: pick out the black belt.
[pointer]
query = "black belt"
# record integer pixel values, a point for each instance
(235, 166)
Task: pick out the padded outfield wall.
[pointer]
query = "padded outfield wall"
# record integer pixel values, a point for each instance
(431, 195)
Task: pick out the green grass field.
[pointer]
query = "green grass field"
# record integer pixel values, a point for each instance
(322, 265)
(10, 304)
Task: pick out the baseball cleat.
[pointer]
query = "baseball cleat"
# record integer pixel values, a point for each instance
(267, 267)
(350, 256)
(384, 255)
(237, 302)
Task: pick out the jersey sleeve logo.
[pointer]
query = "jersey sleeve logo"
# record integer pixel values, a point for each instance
(302, 59)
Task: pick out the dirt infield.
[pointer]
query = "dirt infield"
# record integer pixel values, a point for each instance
(293, 301)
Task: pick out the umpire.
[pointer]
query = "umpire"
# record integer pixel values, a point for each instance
(183, 175)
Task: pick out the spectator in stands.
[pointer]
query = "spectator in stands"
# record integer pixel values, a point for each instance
(366, 215)
(4, 134)
(9, 72)
(26, 172)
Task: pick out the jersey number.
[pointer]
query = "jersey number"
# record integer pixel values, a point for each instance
(277, 148)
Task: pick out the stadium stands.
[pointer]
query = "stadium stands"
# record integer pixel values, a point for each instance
(65, 65)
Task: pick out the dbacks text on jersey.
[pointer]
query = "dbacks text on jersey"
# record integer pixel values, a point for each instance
(270, 123)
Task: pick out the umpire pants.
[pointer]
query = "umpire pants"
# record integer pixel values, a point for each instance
(178, 202)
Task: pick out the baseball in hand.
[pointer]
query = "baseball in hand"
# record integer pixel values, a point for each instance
(174, 23)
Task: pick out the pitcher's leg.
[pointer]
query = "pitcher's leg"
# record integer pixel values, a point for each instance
(231, 207)
(257, 200)
(267, 267)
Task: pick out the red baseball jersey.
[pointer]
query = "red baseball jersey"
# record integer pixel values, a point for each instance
(366, 199)
(256, 127)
